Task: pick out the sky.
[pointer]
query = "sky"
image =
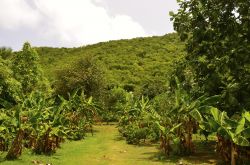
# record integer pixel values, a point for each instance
(73, 23)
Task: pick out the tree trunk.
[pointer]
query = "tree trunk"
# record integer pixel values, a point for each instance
(186, 142)
(16, 148)
(32, 142)
(57, 141)
(3, 145)
(46, 139)
(224, 148)
(233, 154)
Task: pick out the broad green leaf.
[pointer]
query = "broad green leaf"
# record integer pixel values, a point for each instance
(241, 141)
(175, 127)
(216, 114)
(205, 109)
(240, 126)
(213, 124)
(201, 98)
(161, 127)
(225, 133)
(196, 103)
(247, 116)
(211, 100)
(205, 126)
(196, 115)
(246, 133)
(223, 117)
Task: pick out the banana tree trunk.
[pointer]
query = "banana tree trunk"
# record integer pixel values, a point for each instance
(46, 139)
(165, 144)
(186, 141)
(190, 147)
(3, 145)
(57, 141)
(233, 154)
(224, 148)
(16, 148)
(32, 142)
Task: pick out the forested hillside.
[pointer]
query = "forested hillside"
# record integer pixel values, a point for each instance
(142, 65)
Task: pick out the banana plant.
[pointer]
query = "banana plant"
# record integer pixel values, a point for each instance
(232, 133)
(80, 113)
(168, 135)
(135, 123)
(181, 113)
(15, 150)
(34, 112)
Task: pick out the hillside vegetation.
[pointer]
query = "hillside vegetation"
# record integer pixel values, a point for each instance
(142, 64)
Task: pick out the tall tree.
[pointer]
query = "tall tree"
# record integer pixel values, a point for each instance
(217, 33)
(27, 70)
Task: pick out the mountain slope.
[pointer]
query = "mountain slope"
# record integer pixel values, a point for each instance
(138, 64)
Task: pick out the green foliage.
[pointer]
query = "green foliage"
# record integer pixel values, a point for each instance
(80, 112)
(135, 123)
(232, 133)
(217, 44)
(27, 71)
(140, 65)
(85, 75)
(115, 100)
(40, 124)
(5, 53)
(29, 115)
(9, 87)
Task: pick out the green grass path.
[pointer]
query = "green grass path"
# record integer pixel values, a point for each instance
(104, 148)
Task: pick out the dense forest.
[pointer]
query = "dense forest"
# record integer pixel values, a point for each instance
(163, 89)
(140, 65)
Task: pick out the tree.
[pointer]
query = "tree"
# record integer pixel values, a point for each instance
(5, 53)
(28, 72)
(9, 87)
(85, 75)
(217, 34)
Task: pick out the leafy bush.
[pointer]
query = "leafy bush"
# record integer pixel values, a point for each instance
(85, 74)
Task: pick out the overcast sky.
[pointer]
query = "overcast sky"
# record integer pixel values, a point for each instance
(72, 23)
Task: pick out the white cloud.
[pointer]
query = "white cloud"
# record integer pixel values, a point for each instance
(17, 13)
(69, 22)
(123, 26)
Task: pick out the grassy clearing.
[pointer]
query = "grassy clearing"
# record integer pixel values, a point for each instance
(106, 148)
